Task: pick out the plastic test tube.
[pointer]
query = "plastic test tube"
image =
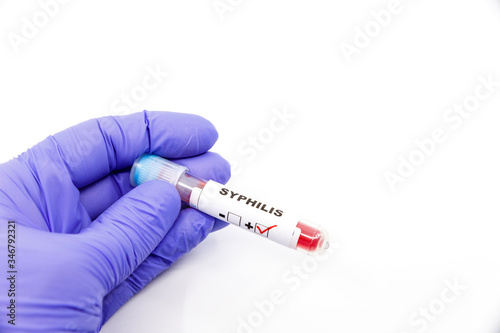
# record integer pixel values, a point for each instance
(223, 203)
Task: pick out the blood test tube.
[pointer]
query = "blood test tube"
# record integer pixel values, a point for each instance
(235, 207)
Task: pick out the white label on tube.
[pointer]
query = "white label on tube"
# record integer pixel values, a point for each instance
(246, 212)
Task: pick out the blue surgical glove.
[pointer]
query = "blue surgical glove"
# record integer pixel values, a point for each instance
(85, 240)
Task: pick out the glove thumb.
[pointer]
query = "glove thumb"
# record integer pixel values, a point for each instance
(127, 232)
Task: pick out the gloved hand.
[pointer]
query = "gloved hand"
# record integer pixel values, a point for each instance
(85, 240)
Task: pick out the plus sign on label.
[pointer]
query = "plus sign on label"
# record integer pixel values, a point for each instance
(247, 213)
(241, 209)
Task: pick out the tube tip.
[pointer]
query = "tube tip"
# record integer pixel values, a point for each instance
(313, 239)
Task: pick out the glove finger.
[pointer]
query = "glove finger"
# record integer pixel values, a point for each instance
(209, 166)
(188, 231)
(98, 196)
(93, 149)
(125, 234)
(218, 225)
(49, 203)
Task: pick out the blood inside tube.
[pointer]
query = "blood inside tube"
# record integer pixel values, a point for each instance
(186, 184)
(236, 209)
(311, 239)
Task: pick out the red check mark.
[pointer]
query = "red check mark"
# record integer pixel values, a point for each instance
(263, 231)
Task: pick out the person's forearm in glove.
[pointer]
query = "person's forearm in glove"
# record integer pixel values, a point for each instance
(86, 241)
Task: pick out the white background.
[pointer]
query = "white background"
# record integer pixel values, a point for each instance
(395, 249)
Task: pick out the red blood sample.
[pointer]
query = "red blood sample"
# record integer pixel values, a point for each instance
(310, 238)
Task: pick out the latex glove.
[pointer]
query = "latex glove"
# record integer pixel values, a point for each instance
(86, 241)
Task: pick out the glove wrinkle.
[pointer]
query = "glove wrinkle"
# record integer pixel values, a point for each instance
(148, 130)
